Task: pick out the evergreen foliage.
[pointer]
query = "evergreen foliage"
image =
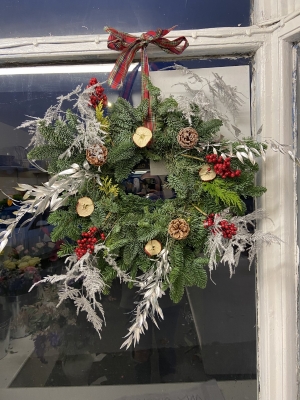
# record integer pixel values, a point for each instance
(130, 221)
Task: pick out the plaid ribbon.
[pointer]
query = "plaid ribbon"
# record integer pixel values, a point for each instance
(129, 45)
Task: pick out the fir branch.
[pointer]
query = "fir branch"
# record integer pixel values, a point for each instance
(218, 189)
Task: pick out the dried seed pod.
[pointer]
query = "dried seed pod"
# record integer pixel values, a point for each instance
(178, 228)
(152, 248)
(97, 155)
(187, 138)
(85, 207)
(207, 173)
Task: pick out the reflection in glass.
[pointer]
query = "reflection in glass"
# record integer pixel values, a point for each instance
(57, 18)
(210, 334)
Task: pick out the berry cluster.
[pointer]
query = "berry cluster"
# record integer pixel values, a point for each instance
(88, 241)
(98, 94)
(228, 229)
(209, 220)
(222, 166)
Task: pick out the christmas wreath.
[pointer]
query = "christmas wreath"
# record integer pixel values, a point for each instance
(111, 228)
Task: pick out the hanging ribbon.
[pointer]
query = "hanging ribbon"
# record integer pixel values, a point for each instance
(129, 45)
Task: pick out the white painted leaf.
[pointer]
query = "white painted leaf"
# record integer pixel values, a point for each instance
(23, 186)
(26, 195)
(251, 157)
(160, 313)
(60, 202)
(255, 151)
(3, 244)
(154, 321)
(75, 166)
(7, 233)
(67, 172)
(127, 343)
(86, 165)
(7, 221)
(239, 157)
(77, 174)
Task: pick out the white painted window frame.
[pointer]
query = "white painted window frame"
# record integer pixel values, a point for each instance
(270, 41)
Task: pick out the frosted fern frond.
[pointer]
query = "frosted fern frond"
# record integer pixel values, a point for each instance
(50, 279)
(83, 304)
(86, 271)
(89, 129)
(207, 108)
(150, 288)
(110, 259)
(52, 114)
(229, 250)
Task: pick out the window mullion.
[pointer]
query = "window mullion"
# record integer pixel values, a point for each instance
(277, 269)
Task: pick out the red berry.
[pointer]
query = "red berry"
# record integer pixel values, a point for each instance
(93, 81)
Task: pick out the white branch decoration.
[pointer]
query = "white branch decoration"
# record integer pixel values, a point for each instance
(230, 249)
(85, 271)
(89, 129)
(52, 194)
(150, 289)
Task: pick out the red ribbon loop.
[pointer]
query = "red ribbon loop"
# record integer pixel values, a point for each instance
(129, 45)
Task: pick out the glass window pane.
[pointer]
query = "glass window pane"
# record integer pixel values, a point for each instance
(208, 339)
(56, 18)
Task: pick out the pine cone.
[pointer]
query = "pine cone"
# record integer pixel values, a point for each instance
(178, 229)
(187, 137)
(97, 155)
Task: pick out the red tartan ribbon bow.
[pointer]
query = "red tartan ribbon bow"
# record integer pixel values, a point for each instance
(129, 45)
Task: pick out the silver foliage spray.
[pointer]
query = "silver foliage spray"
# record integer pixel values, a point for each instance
(86, 272)
(52, 194)
(150, 289)
(228, 251)
(89, 129)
